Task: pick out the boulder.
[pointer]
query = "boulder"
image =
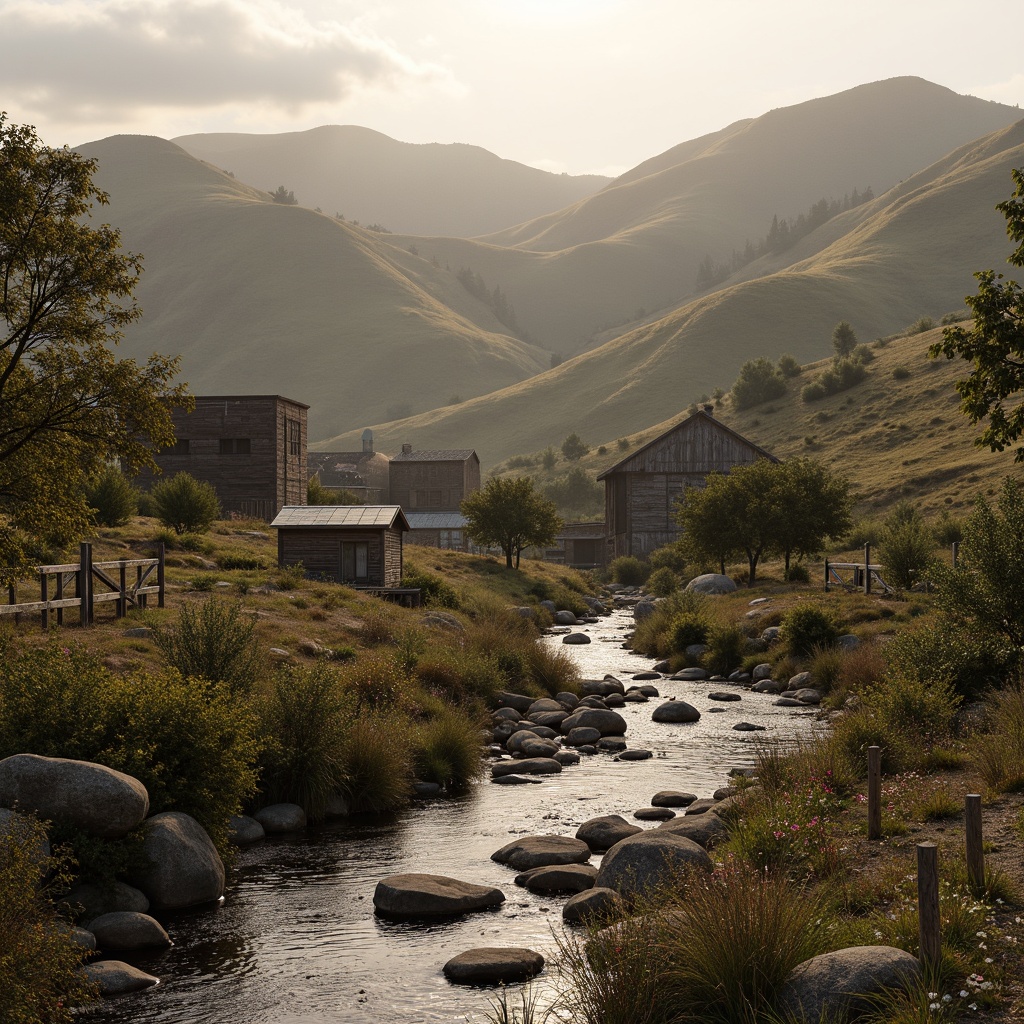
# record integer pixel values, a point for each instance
(800, 680)
(673, 711)
(594, 904)
(505, 715)
(575, 638)
(567, 700)
(704, 829)
(92, 797)
(548, 605)
(788, 702)
(515, 742)
(543, 704)
(690, 674)
(558, 878)
(749, 727)
(635, 697)
(115, 978)
(549, 719)
(565, 618)
(538, 747)
(848, 642)
(643, 609)
(806, 695)
(724, 696)
(700, 806)
(126, 929)
(243, 830)
(425, 790)
(277, 818)
(529, 766)
(615, 700)
(514, 780)
(582, 734)
(539, 851)
(83, 938)
(694, 652)
(766, 686)
(493, 965)
(654, 813)
(545, 732)
(567, 757)
(422, 895)
(95, 899)
(771, 634)
(634, 755)
(762, 671)
(184, 867)
(611, 743)
(648, 860)
(672, 798)
(843, 983)
(605, 721)
(517, 701)
(604, 832)
(711, 583)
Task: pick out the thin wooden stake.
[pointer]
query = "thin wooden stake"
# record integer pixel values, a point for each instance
(928, 904)
(874, 792)
(867, 568)
(975, 847)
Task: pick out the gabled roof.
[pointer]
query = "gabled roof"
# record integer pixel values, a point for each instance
(439, 455)
(437, 521)
(357, 517)
(682, 423)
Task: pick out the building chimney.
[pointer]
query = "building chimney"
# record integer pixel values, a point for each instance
(709, 409)
(407, 449)
(368, 440)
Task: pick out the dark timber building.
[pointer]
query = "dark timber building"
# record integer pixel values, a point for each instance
(430, 486)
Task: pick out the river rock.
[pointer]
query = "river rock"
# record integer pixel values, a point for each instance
(762, 671)
(654, 813)
(558, 878)
(704, 829)
(83, 938)
(694, 674)
(672, 798)
(799, 681)
(567, 757)
(603, 832)
(539, 851)
(125, 929)
(673, 711)
(496, 965)
(635, 697)
(277, 818)
(529, 766)
(549, 719)
(749, 727)
(587, 748)
(644, 609)
(771, 634)
(506, 715)
(788, 702)
(95, 899)
(92, 797)
(575, 638)
(538, 747)
(425, 790)
(582, 734)
(517, 701)
(605, 721)
(184, 867)
(567, 700)
(647, 861)
(592, 701)
(565, 618)
(807, 695)
(636, 754)
(724, 696)
(422, 895)
(766, 686)
(514, 744)
(543, 704)
(611, 743)
(243, 830)
(548, 606)
(592, 905)
(711, 583)
(834, 986)
(615, 700)
(515, 780)
(115, 978)
(700, 806)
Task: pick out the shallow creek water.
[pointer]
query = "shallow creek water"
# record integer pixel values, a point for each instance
(296, 939)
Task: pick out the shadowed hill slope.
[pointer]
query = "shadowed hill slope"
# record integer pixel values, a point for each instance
(258, 297)
(426, 189)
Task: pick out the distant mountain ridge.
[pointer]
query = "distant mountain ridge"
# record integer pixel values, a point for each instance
(418, 189)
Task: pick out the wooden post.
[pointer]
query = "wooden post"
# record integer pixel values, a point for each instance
(867, 568)
(44, 588)
(60, 597)
(874, 793)
(975, 850)
(160, 574)
(122, 601)
(826, 574)
(928, 905)
(956, 552)
(85, 582)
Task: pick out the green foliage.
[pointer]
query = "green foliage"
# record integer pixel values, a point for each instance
(994, 344)
(788, 366)
(662, 582)
(67, 404)
(906, 547)
(548, 458)
(377, 763)
(215, 641)
(185, 504)
(510, 514)
(949, 530)
(622, 444)
(655, 634)
(687, 629)
(574, 448)
(727, 646)
(112, 497)
(998, 752)
(844, 340)
(811, 505)
(670, 556)
(448, 750)
(900, 372)
(435, 592)
(460, 674)
(577, 494)
(805, 627)
(629, 571)
(40, 963)
(842, 375)
(758, 381)
(317, 494)
(249, 562)
(284, 196)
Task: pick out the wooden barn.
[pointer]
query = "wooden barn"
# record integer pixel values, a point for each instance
(365, 473)
(640, 491)
(356, 544)
(251, 448)
(580, 545)
(439, 530)
(433, 481)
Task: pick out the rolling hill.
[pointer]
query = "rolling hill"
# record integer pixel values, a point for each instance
(428, 189)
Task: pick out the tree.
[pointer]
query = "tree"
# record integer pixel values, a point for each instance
(285, 197)
(577, 493)
(815, 506)
(574, 447)
(510, 514)
(995, 342)
(67, 405)
(705, 515)
(844, 341)
(758, 381)
(185, 504)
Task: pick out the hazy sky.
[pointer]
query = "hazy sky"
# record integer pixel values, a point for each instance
(573, 85)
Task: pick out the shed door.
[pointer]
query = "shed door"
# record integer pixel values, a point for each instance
(355, 559)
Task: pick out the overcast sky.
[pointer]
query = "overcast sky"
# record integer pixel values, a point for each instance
(567, 85)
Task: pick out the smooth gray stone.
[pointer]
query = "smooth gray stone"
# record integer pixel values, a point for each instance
(749, 727)
(788, 702)
(529, 766)
(425, 789)
(567, 757)
(95, 899)
(540, 851)
(184, 868)
(582, 734)
(675, 711)
(700, 806)
(711, 583)
(591, 905)
(424, 895)
(605, 721)
(277, 818)
(116, 978)
(648, 860)
(612, 743)
(704, 829)
(493, 965)
(724, 695)
(690, 675)
(603, 832)
(672, 798)
(517, 701)
(636, 754)
(654, 814)
(125, 929)
(558, 878)
(514, 780)
(576, 638)
(243, 830)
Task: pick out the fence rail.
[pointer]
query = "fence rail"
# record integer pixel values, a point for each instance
(130, 581)
(856, 575)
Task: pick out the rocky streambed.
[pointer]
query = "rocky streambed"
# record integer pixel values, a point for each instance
(297, 938)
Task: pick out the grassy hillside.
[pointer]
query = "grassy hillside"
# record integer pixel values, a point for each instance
(259, 297)
(911, 252)
(418, 189)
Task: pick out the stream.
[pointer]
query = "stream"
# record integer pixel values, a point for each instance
(295, 938)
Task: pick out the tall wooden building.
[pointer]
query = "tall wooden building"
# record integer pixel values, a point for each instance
(365, 473)
(251, 448)
(433, 481)
(641, 490)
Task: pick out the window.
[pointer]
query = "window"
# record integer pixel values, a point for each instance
(355, 561)
(450, 540)
(294, 437)
(235, 446)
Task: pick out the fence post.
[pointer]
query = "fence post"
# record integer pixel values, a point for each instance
(867, 568)
(956, 552)
(874, 792)
(122, 601)
(826, 574)
(928, 905)
(160, 574)
(60, 597)
(44, 596)
(85, 582)
(975, 848)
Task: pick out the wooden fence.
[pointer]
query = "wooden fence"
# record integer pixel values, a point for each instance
(128, 583)
(856, 575)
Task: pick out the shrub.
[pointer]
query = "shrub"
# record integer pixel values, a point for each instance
(448, 750)
(376, 763)
(553, 669)
(862, 354)
(812, 392)
(900, 372)
(240, 562)
(185, 504)
(905, 550)
(214, 641)
(687, 629)
(806, 626)
(798, 573)
(377, 682)
(146, 504)
(317, 494)
(727, 645)
(949, 530)
(788, 366)
(435, 592)
(629, 571)
(758, 381)
(670, 556)
(998, 753)
(459, 673)
(112, 498)
(663, 582)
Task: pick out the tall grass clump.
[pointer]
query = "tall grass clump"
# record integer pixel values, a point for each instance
(629, 571)
(458, 673)
(663, 582)
(448, 750)
(998, 753)
(434, 591)
(185, 504)
(377, 764)
(40, 962)
(806, 627)
(215, 641)
(112, 498)
(675, 623)
(552, 670)
(727, 645)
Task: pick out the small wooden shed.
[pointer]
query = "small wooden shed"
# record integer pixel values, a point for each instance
(356, 544)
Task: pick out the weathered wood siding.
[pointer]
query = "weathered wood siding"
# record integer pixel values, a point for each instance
(319, 552)
(425, 486)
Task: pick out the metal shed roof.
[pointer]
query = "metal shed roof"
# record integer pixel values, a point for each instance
(436, 521)
(437, 455)
(349, 516)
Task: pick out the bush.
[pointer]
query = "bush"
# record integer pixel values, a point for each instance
(317, 494)
(806, 626)
(900, 372)
(758, 381)
(448, 750)
(727, 645)
(998, 752)
(798, 573)
(629, 571)
(112, 498)
(687, 629)
(146, 505)
(214, 641)
(376, 762)
(185, 504)
(662, 582)
(459, 674)
(862, 354)
(788, 366)
(949, 530)
(240, 562)
(812, 392)
(670, 556)
(435, 592)
(906, 548)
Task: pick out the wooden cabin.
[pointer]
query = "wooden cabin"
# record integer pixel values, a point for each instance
(356, 544)
(640, 491)
(433, 481)
(445, 530)
(581, 545)
(365, 473)
(251, 448)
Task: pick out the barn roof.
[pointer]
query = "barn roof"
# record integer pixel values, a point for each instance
(621, 464)
(356, 517)
(438, 455)
(437, 521)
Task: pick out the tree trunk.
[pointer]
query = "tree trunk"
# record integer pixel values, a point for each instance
(508, 556)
